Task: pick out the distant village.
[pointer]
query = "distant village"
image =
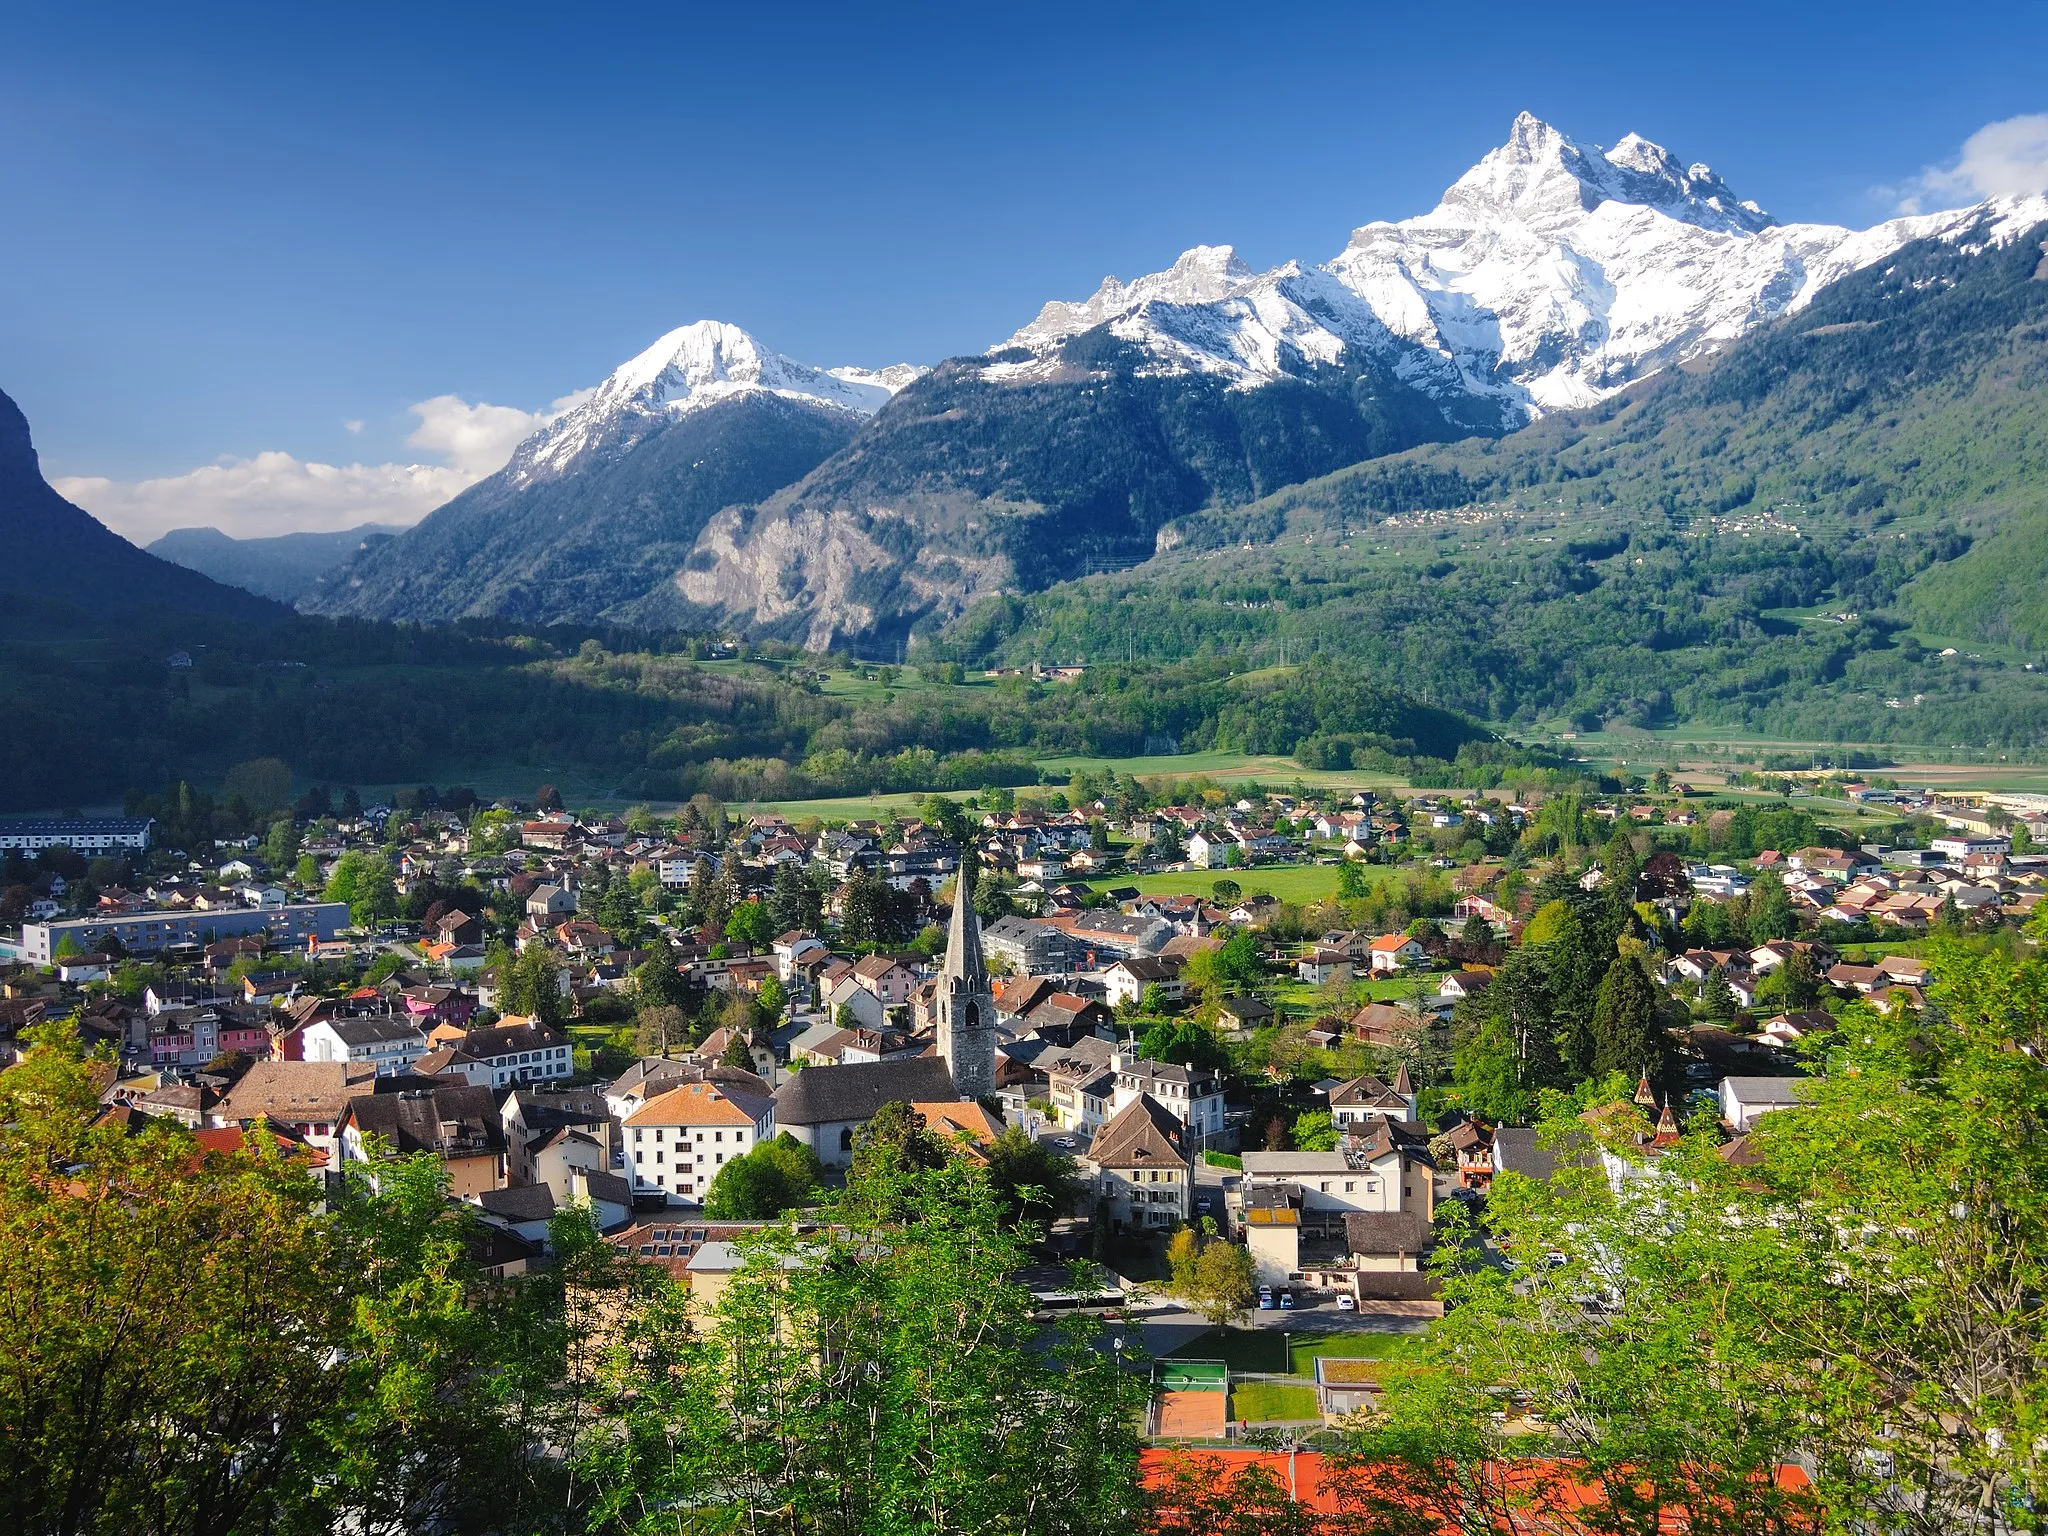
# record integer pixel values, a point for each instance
(607, 1012)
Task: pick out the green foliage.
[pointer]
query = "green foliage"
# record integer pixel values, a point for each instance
(1315, 1131)
(367, 883)
(939, 1405)
(1186, 1042)
(1212, 1275)
(1032, 1181)
(776, 1176)
(1872, 1262)
(751, 924)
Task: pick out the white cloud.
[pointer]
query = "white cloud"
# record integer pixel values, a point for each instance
(277, 493)
(2003, 159)
(353, 428)
(480, 437)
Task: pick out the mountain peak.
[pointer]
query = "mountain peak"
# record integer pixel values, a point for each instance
(1543, 178)
(1201, 274)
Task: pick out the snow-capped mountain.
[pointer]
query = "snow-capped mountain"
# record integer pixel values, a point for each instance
(606, 500)
(693, 368)
(1549, 275)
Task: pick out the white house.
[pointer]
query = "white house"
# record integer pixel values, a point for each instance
(1192, 1095)
(1206, 852)
(1745, 1100)
(390, 1045)
(1395, 951)
(678, 1141)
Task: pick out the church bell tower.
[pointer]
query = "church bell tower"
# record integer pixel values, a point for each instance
(966, 1008)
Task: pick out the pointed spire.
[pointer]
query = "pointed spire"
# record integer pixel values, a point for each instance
(1667, 1123)
(1402, 1083)
(1645, 1097)
(963, 936)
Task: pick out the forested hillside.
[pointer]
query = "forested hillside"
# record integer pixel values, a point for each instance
(1786, 539)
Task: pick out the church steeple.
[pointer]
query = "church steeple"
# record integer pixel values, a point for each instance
(963, 937)
(966, 1010)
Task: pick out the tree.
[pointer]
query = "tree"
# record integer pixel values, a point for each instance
(1212, 1275)
(737, 1053)
(659, 1028)
(1625, 1037)
(1487, 1073)
(1184, 1042)
(1866, 1276)
(1196, 1497)
(533, 985)
(657, 981)
(792, 904)
(888, 1154)
(281, 846)
(547, 798)
(264, 785)
(776, 1176)
(772, 998)
(1032, 1181)
(1165, 845)
(1770, 911)
(948, 820)
(751, 924)
(1226, 890)
(1717, 998)
(222, 1341)
(866, 910)
(366, 882)
(877, 1377)
(1315, 1131)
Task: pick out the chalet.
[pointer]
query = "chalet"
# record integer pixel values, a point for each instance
(1142, 1167)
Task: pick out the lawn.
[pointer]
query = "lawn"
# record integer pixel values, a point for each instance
(1279, 772)
(1260, 1402)
(1289, 882)
(1242, 1349)
(1352, 1346)
(1267, 1351)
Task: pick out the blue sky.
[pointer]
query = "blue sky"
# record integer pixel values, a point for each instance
(235, 231)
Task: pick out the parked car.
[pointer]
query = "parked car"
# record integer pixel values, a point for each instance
(1346, 1302)
(1265, 1298)
(1287, 1299)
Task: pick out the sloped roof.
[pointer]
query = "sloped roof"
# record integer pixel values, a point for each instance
(1383, 1234)
(855, 1090)
(295, 1091)
(1143, 1134)
(702, 1104)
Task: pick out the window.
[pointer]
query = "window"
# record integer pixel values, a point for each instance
(718, 1135)
(1347, 1186)
(846, 1140)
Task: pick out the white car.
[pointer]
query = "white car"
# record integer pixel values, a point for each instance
(1346, 1302)
(1063, 1142)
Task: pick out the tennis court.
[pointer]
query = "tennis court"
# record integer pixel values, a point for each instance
(1201, 1415)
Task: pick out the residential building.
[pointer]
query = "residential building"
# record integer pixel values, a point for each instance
(1128, 980)
(91, 837)
(1029, 946)
(1141, 1163)
(1392, 952)
(1192, 1095)
(390, 1045)
(457, 1123)
(677, 1142)
(518, 1053)
(1745, 1100)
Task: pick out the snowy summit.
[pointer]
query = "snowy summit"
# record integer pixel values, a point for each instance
(1551, 274)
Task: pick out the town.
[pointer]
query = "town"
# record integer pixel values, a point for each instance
(1253, 1057)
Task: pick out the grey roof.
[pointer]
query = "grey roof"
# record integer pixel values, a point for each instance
(373, 1031)
(1765, 1090)
(854, 1091)
(1515, 1150)
(1293, 1164)
(443, 1119)
(527, 1202)
(610, 1188)
(485, 1044)
(1384, 1233)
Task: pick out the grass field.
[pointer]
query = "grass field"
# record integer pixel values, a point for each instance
(1262, 1402)
(1289, 882)
(1351, 1346)
(1242, 1349)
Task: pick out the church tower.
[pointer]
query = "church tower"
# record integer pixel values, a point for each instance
(966, 1009)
